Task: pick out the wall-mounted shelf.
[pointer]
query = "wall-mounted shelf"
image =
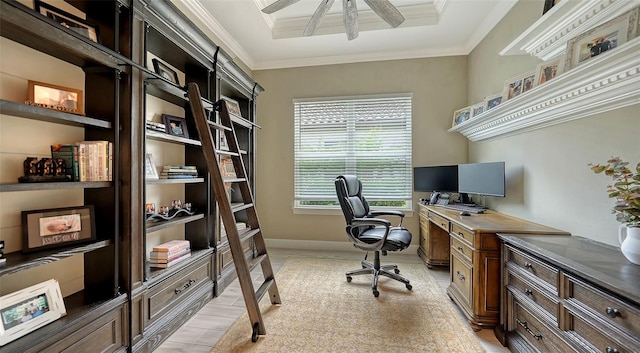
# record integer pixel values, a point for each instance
(607, 82)
(548, 36)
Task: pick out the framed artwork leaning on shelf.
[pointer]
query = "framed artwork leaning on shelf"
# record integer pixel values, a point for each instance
(150, 171)
(461, 115)
(56, 227)
(69, 21)
(602, 38)
(232, 106)
(549, 69)
(54, 97)
(165, 71)
(477, 109)
(175, 125)
(518, 85)
(492, 101)
(29, 309)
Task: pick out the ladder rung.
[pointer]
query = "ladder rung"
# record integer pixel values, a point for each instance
(264, 287)
(240, 207)
(228, 153)
(217, 126)
(234, 180)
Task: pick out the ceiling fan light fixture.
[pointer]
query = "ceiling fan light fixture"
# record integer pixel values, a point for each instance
(350, 18)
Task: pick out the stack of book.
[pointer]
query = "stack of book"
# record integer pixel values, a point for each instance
(2, 258)
(179, 172)
(159, 127)
(170, 253)
(86, 160)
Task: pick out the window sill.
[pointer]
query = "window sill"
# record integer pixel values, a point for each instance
(336, 211)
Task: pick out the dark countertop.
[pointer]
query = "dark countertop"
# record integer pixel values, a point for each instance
(602, 264)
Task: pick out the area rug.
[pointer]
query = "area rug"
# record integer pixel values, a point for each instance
(322, 312)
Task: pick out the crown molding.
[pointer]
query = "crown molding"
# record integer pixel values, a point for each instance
(500, 11)
(601, 84)
(548, 36)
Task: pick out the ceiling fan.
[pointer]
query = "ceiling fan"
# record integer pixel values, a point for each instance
(383, 8)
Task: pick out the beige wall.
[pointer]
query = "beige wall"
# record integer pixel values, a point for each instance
(438, 86)
(548, 180)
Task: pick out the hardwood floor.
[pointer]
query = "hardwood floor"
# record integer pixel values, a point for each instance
(201, 333)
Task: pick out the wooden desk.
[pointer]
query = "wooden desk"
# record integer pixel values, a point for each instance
(471, 248)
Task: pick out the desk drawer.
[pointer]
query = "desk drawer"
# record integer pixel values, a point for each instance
(600, 337)
(541, 335)
(178, 286)
(463, 233)
(537, 268)
(439, 221)
(462, 278)
(516, 283)
(462, 248)
(609, 309)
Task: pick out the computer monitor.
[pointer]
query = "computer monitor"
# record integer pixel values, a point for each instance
(442, 178)
(482, 179)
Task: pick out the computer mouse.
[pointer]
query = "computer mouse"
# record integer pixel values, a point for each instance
(465, 213)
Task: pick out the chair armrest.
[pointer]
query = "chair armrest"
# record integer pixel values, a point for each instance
(358, 222)
(389, 213)
(371, 222)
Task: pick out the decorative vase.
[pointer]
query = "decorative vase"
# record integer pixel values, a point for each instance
(629, 238)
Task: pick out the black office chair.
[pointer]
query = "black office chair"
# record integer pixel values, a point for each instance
(369, 233)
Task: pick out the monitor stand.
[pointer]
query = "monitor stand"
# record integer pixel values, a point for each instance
(465, 199)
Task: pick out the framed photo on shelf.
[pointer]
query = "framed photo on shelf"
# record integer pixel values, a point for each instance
(548, 4)
(69, 21)
(226, 165)
(29, 309)
(223, 145)
(175, 125)
(56, 227)
(165, 71)
(461, 115)
(492, 101)
(549, 69)
(605, 37)
(150, 171)
(518, 85)
(54, 97)
(232, 106)
(477, 109)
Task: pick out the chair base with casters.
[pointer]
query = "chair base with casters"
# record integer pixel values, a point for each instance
(378, 270)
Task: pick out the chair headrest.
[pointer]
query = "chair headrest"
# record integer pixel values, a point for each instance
(353, 185)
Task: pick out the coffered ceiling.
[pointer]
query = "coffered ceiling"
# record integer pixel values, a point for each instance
(262, 41)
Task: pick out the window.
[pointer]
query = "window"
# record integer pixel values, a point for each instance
(366, 136)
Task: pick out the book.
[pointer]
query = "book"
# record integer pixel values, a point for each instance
(169, 264)
(172, 246)
(156, 255)
(179, 176)
(187, 167)
(171, 258)
(69, 154)
(180, 171)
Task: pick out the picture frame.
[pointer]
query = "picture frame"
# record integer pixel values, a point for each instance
(226, 166)
(150, 170)
(175, 125)
(165, 71)
(222, 144)
(518, 85)
(492, 101)
(549, 70)
(232, 106)
(477, 109)
(461, 115)
(29, 309)
(69, 21)
(54, 97)
(57, 227)
(600, 39)
(548, 4)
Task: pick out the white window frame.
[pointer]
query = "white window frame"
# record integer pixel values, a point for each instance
(399, 148)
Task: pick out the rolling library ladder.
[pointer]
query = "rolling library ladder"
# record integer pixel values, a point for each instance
(227, 210)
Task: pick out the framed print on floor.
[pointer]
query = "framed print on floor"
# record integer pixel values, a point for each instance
(29, 309)
(56, 227)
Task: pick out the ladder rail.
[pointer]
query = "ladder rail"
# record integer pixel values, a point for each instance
(210, 152)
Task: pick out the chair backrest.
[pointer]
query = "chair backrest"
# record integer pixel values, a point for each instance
(353, 204)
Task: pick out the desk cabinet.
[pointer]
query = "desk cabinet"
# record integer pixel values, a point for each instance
(473, 249)
(569, 294)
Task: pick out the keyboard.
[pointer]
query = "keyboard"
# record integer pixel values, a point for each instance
(468, 208)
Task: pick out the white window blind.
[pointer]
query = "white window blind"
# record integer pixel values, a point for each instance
(369, 137)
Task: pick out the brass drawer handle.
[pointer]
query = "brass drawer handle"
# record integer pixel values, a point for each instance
(461, 234)
(612, 350)
(185, 286)
(526, 327)
(527, 265)
(528, 291)
(460, 275)
(460, 249)
(612, 312)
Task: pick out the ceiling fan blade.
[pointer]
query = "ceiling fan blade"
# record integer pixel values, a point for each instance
(278, 5)
(314, 22)
(350, 18)
(386, 11)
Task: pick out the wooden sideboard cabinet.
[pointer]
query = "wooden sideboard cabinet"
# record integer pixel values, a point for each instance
(474, 256)
(569, 294)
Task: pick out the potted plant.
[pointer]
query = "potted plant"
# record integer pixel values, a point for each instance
(625, 189)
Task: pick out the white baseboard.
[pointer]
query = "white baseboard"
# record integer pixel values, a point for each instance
(325, 245)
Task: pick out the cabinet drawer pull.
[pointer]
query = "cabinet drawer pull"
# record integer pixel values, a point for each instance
(527, 265)
(613, 312)
(460, 249)
(524, 325)
(460, 275)
(461, 234)
(612, 350)
(528, 291)
(442, 225)
(185, 286)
